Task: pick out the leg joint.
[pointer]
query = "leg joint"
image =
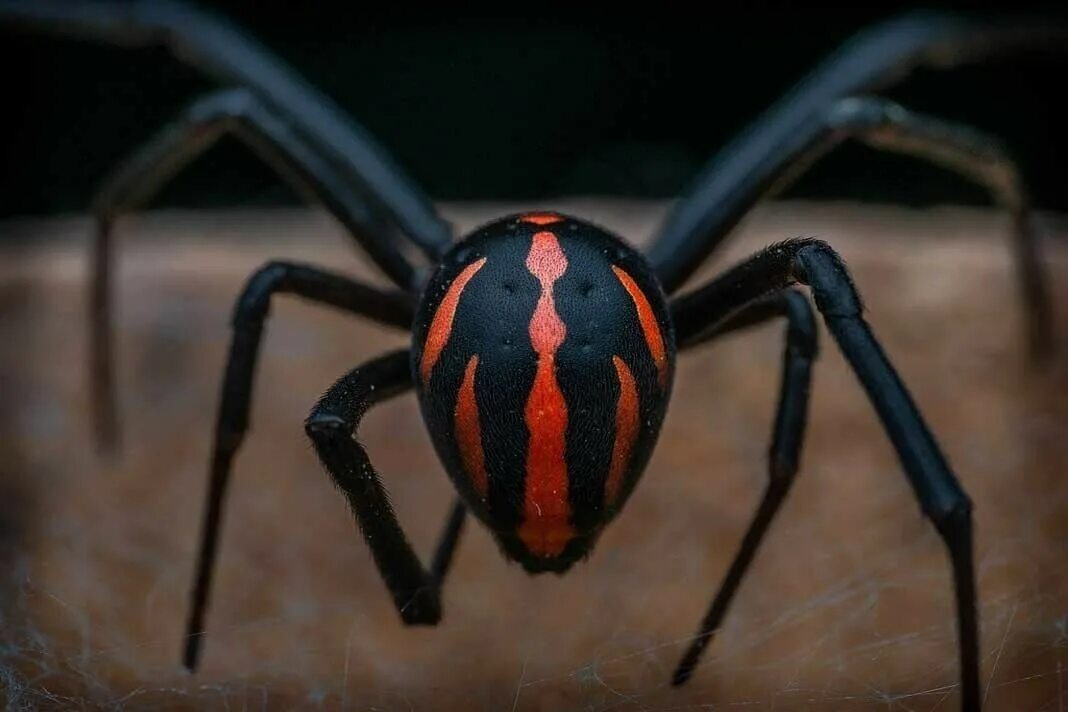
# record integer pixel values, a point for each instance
(858, 114)
(327, 426)
(819, 266)
(953, 516)
(255, 300)
(223, 104)
(801, 334)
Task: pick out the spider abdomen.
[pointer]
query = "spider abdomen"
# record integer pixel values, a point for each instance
(543, 356)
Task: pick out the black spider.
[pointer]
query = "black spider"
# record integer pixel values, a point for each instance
(543, 347)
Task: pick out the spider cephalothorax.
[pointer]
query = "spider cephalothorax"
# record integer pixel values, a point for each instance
(543, 356)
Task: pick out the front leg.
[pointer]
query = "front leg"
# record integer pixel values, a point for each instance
(945, 503)
(155, 163)
(791, 416)
(332, 426)
(235, 403)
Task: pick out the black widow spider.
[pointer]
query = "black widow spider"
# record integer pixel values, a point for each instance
(543, 347)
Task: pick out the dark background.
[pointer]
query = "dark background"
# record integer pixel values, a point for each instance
(548, 102)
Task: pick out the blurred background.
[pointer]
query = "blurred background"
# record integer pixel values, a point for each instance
(547, 101)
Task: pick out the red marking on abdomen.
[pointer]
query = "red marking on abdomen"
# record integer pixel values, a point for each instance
(647, 319)
(541, 219)
(626, 429)
(469, 430)
(546, 526)
(441, 325)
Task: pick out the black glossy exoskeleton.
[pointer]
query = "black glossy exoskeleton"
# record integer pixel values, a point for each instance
(542, 356)
(543, 347)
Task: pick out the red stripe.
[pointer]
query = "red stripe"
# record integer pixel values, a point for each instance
(441, 325)
(541, 219)
(647, 319)
(546, 526)
(626, 429)
(469, 431)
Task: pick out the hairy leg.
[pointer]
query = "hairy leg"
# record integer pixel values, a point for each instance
(944, 502)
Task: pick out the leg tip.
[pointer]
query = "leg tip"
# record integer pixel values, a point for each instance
(682, 676)
(191, 654)
(689, 661)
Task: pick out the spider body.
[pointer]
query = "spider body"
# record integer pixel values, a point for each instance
(543, 348)
(543, 356)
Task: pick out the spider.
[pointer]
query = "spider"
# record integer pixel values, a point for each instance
(543, 347)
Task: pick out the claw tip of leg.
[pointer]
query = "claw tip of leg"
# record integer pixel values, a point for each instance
(681, 676)
(191, 655)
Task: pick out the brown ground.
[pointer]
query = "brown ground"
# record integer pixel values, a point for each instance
(847, 607)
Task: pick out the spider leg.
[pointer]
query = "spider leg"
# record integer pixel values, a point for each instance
(945, 503)
(784, 454)
(250, 312)
(144, 172)
(887, 126)
(331, 427)
(975, 156)
(231, 57)
(736, 177)
(240, 113)
(447, 541)
(972, 154)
